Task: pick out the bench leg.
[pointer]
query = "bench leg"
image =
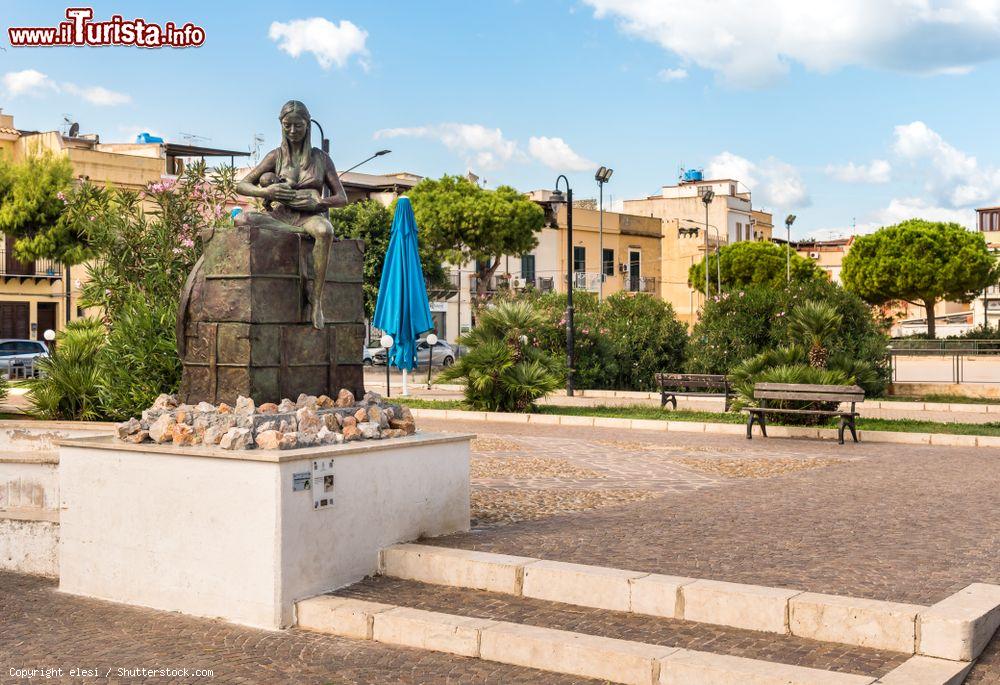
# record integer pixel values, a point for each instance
(667, 397)
(750, 426)
(763, 425)
(840, 430)
(854, 432)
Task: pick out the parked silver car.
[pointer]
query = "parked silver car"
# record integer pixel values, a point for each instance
(20, 354)
(444, 354)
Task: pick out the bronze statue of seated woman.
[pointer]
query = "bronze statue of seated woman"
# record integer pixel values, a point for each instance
(290, 180)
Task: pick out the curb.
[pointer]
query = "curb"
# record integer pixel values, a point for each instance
(871, 436)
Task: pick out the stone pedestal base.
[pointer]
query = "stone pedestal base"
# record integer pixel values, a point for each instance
(239, 535)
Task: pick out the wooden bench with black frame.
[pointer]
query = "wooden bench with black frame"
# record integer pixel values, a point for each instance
(691, 385)
(820, 394)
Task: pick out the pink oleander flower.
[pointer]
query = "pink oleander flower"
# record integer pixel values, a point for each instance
(61, 195)
(187, 242)
(177, 250)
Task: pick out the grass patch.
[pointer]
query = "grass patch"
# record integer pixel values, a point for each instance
(655, 413)
(942, 399)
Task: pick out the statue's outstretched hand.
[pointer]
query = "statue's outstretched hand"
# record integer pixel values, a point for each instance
(281, 192)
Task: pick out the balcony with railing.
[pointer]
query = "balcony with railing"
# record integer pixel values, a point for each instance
(12, 268)
(586, 280)
(641, 284)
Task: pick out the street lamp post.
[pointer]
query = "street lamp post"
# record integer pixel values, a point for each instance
(558, 197)
(707, 199)
(364, 161)
(386, 342)
(789, 220)
(432, 340)
(602, 176)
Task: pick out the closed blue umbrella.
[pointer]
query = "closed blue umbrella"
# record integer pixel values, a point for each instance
(402, 309)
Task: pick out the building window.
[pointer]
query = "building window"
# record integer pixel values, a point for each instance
(608, 262)
(739, 231)
(749, 231)
(528, 268)
(703, 189)
(634, 270)
(732, 189)
(579, 258)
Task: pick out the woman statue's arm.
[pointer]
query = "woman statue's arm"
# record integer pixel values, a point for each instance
(248, 185)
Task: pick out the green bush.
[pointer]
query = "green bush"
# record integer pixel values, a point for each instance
(503, 370)
(68, 387)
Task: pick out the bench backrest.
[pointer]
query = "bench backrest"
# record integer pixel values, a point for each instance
(814, 393)
(692, 380)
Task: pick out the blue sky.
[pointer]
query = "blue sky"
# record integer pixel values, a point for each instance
(784, 95)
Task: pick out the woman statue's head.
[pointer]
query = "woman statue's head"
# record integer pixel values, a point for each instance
(295, 124)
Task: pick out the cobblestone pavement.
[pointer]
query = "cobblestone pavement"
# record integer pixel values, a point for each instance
(41, 628)
(896, 522)
(659, 631)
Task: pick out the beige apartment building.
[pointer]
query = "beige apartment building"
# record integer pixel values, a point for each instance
(43, 294)
(625, 256)
(731, 218)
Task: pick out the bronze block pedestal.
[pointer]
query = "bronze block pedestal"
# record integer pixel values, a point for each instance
(243, 327)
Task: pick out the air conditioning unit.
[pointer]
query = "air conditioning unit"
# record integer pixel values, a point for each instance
(517, 283)
(623, 268)
(814, 255)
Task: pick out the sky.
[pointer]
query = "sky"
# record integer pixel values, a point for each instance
(851, 114)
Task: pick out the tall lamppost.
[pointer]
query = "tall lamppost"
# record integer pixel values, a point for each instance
(602, 176)
(789, 220)
(707, 199)
(557, 198)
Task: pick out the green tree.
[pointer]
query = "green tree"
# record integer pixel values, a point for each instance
(464, 222)
(371, 222)
(32, 195)
(920, 262)
(747, 263)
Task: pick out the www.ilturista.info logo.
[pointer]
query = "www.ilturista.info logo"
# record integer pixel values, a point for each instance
(80, 30)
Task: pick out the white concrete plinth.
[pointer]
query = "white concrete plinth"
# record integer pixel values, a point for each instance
(223, 534)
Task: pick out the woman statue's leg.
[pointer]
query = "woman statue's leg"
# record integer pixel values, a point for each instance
(321, 230)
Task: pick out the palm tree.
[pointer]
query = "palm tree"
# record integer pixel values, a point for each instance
(812, 324)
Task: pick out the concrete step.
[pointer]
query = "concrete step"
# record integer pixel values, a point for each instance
(609, 645)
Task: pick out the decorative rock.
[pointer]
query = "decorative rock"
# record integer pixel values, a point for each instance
(393, 433)
(369, 430)
(236, 439)
(324, 402)
(351, 432)
(149, 416)
(361, 415)
(128, 428)
(165, 402)
(308, 420)
(329, 437)
(184, 414)
(245, 405)
(267, 426)
(206, 407)
(267, 408)
(183, 434)
(377, 416)
(213, 435)
(408, 427)
(305, 400)
(372, 398)
(345, 398)
(306, 439)
(161, 430)
(331, 422)
(137, 437)
(288, 441)
(268, 439)
(287, 425)
(286, 406)
(225, 409)
(349, 421)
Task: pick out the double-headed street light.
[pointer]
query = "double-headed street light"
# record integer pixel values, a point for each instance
(558, 198)
(707, 199)
(789, 220)
(602, 176)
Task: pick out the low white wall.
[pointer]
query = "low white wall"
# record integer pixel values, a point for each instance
(223, 534)
(29, 546)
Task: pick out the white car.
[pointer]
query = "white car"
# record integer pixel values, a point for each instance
(18, 352)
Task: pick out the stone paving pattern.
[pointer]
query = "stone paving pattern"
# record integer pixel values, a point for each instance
(660, 631)
(39, 627)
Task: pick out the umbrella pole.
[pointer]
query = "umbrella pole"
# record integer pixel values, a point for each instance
(406, 389)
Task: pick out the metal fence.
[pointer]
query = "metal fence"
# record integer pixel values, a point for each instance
(945, 361)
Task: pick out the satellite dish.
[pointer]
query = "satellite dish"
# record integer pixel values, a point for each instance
(74, 130)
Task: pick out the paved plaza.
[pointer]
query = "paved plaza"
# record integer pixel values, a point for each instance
(902, 523)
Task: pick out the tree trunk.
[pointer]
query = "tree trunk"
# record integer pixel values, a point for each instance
(483, 277)
(931, 322)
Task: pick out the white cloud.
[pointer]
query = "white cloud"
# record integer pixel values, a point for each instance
(96, 95)
(484, 147)
(28, 82)
(330, 43)
(556, 154)
(753, 44)
(901, 209)
(955, 178)
(879, 171)
(773, 183)
(33, 82)
(673, 74)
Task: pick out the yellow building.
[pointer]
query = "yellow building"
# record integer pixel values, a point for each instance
(731, 218)
(34, 296)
